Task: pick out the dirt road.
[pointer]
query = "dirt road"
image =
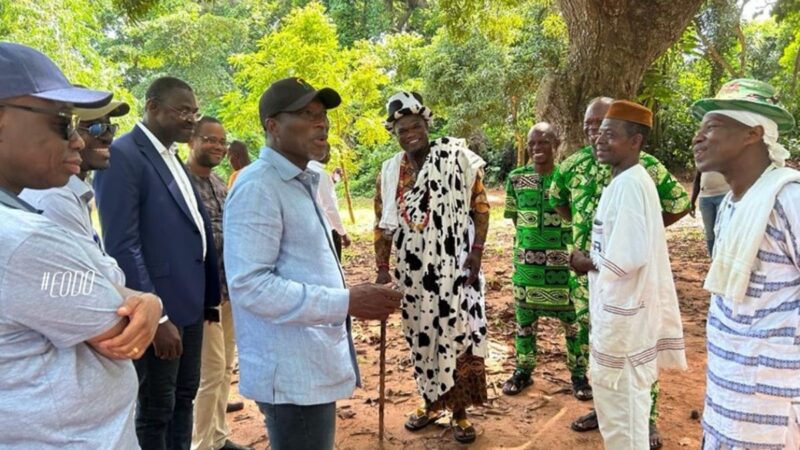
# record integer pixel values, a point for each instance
(539, 418)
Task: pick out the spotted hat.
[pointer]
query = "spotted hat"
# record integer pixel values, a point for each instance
(404, 104)
(746, 94)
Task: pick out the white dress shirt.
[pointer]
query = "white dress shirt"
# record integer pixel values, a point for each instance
(179, 174)
(326, 197)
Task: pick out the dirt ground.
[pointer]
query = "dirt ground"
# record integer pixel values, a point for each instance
(538, 418)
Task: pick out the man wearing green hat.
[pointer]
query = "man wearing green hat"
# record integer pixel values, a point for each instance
(753, 328)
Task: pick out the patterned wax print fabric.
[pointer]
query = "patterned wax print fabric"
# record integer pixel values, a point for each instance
(579, 180)
(541, 270)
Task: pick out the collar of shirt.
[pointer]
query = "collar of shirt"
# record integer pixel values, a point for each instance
(10, 199)
(286, 169)
(156, 143)
(80, 188)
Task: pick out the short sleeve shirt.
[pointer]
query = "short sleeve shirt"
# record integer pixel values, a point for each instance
(541, 269)
(579, 181)
(52, 300)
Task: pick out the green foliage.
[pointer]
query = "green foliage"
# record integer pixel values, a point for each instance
(306, 45)
(477, 63)
(189, 44)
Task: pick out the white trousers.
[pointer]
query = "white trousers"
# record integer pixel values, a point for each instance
(623, 413)
(216, 367)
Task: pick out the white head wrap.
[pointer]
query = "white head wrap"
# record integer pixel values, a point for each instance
(404, 104)
(777, 153)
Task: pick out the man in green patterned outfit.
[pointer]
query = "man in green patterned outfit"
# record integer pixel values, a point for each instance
(575, 192)
(541, 263)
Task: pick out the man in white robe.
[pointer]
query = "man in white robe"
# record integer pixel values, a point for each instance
(753, 328)
(635, 322)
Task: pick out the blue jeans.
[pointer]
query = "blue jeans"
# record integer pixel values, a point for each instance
(296, 427)
(709, 208)
(166, 392)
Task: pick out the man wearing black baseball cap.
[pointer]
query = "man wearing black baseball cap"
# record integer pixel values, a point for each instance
(57, 309)
(287, 289)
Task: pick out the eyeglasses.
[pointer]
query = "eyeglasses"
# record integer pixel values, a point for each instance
(213, 140)
(185, 114)
(98, 129)
(67, 127)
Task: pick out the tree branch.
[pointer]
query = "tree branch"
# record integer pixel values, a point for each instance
(712, 52)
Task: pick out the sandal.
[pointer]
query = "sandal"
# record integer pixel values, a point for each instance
(581, 389)
(463, 431)
(655, 438)
(585, 423)
(421, 419)
(517, 383)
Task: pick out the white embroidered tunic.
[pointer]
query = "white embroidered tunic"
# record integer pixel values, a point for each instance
(634, 311)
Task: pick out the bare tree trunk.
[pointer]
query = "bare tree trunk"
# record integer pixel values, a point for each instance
(347, 195)
(794, 72)
(612, 43)
(714, 55)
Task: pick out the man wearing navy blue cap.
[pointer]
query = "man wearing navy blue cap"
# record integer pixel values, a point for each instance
(66, 380)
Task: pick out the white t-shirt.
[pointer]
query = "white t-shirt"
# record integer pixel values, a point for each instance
(634, 308)
(326, 197)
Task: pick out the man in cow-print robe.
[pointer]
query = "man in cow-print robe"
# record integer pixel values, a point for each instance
(431, 207)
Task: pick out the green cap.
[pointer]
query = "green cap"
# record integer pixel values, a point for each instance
(746, 94)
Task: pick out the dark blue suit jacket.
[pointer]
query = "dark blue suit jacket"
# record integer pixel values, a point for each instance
(148, 228)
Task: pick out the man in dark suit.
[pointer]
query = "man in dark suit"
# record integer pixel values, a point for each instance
(156, 227)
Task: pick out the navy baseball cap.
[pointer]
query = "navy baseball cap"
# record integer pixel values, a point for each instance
(25, 71)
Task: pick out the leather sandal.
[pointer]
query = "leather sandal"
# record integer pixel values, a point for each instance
(585, 423)
(421, 419)
(463, 431)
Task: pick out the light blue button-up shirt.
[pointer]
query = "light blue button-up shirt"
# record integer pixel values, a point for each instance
(287, 288)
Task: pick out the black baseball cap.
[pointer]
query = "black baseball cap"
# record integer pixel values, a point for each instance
(292, 94)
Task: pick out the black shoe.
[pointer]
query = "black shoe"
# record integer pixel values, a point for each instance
(517, 383)
(234, 406)
(230, 445)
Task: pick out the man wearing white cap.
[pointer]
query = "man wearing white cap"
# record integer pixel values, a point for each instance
(753, 328)
(69, 206)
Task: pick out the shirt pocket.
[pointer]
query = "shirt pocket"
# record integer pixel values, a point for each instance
(330, 354)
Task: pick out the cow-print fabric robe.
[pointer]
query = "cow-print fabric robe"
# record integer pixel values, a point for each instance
(442, 317)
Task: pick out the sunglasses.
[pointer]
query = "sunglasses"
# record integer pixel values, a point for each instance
(68, 126)
(98, 129)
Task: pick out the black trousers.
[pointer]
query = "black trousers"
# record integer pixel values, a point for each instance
(166, 393)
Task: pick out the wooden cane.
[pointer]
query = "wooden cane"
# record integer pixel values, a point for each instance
(382, 386)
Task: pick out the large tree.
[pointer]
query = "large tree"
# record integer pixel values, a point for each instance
(611, 45)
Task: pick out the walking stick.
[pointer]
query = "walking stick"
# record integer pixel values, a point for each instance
(382, 386)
